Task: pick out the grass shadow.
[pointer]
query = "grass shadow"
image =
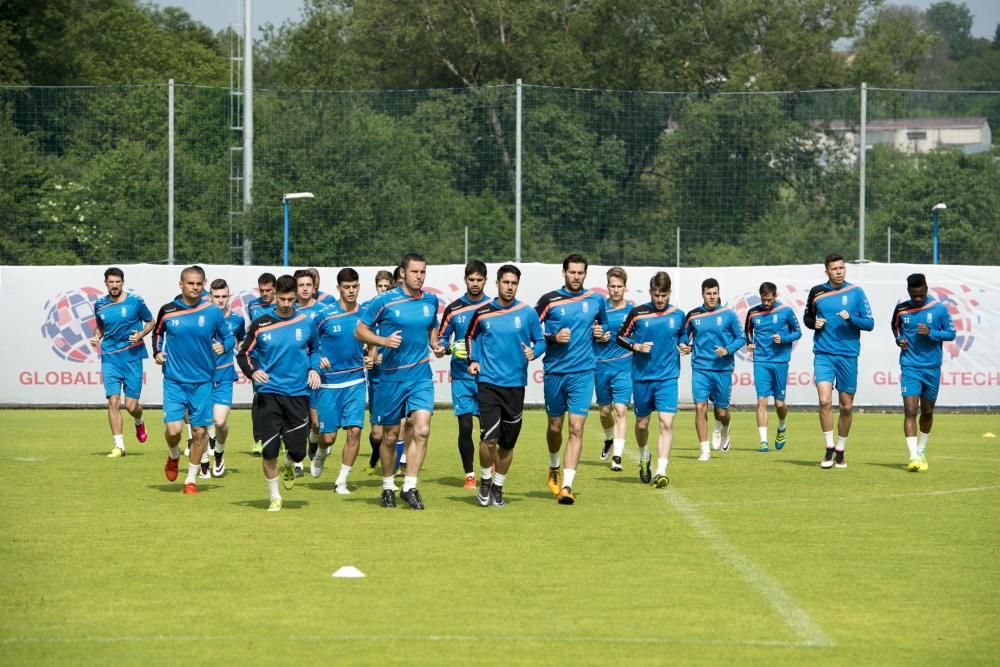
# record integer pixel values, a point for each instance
(264, 503)
(128, 454)
(177, 487)
(807, 464)
(899, 467)
(465, 499)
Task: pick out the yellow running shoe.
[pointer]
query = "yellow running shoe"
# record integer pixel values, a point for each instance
(116, 453)
(923, 462)
(555, 481)
(913, 465)
(275, 505)
(566, 496)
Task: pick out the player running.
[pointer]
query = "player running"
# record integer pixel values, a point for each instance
(260, 305)
(373, 359)
(222, 386)
(613, 372)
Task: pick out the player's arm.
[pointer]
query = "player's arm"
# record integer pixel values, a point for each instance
(446, 331)
(809, 316)
(95, 340)
(147, 318)
(739, 340)
(159, 335)
(536, 337)
(223, 334)
(862, 315)
(434, 342)
(748, 327)
(794, 332)
(245, 359)
(601, 321)
(945, 329)
(625, 337)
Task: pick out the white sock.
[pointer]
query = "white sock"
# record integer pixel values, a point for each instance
(211, 431)
(409, 483)
(345, 470)
(704, 446)
(313, 437)
(618, 447)
(644, 453)
(911, 444)
(326, 451)
(724, 431)
(553, 459)
(763, 433)
(841, 443)
(402, 460)
(609, 433)
(189, 431)
(193, 469)
(175, 452)
(138, 422)
(498, 479)
(119, 441)
(828, 439)
(781, 424)
(922, 439)
(661, 466)
(387, 483)
(568, 476)
(485, 473)
(717, 427)
(272, 487)
(220, 446)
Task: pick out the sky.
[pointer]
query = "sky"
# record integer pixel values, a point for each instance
(219, 14)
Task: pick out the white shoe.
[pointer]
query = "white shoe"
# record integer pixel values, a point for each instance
(341, 489)
(716, 439)
(727, 441)
(706, 455)
(316, 464)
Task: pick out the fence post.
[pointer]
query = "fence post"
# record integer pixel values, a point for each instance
(247, 104)
(170, 171)
(861, 168)
(517, 179)
(888, 243)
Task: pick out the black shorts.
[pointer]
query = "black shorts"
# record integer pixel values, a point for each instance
(500, 411)
(277, 418)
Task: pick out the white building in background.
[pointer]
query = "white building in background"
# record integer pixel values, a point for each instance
(970, 134)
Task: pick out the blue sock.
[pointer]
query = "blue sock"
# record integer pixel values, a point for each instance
(399, 452)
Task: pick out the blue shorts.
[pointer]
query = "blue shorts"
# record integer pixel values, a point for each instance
(770, 380)
(465, 397)
(841, 372)
(714, 386)
(193, 400)
(395, 400)
(924, 382)
(659, 395)
(613, 386)
(118, 376)
(568, 392)
(340, 407)
(222, 393)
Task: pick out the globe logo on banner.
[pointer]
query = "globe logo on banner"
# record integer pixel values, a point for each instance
(238, 303)
(964, 311)
(70, 323)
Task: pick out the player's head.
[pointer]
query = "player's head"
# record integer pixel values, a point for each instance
(916, 287)
(285, 291)
(574, 271)
(397, 276)
(710, 292)
(315, 276)
(219, 292)
(475, 278)
(265, 285)
(383, 281)
(114, 279)
(348, 284)
(617, 280)
(414, 268)
(659, 289)
(836, 270)
(768, 293)
(192, 283)
(508, 278)
(305, 288)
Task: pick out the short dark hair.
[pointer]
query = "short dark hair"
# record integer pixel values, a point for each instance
(767, 288)
(660, 282)
(114, 271)
(265, 279)
(709, 283)
(831, 258)
(285, 284)
(347, 275)
(915, 280)
(301, 273)
(219, 283)
(194, 268)
(575, 258)
(475, 266)
(508, 268)
(397, 274)
(411, 257)
(384, 275)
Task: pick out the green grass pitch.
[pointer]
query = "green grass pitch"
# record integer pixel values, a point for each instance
(749, 558)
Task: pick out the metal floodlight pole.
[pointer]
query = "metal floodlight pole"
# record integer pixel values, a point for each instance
(937, 208)
(247, 103)
(284, 200)
(863, 144)
(517, 176)
(170, 171)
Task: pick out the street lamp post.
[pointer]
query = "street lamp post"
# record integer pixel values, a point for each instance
(935, 210)
(285, 199)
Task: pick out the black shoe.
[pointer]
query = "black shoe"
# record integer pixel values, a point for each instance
(388, 498)
(484, 491)
(616, 464)
(412, 498)
(204, 469)
(644, 473)
(496, 495)
(211, 443)
(606, 450)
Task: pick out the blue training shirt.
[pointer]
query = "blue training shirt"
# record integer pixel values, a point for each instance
(494, 338)
(338, 345)
(185, 334)
(838, 336)
(576, 311)
(118, 320)
(611, 356)
(225, 363)
(665, 329)
(923, 350)
(413, 318)
(760, 326)
(256, 308)
(455, 323)
(284, 348)
(707, 329)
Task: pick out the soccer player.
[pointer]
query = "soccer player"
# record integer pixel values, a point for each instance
(405, 387)
(122, 321)
(714, 335)
(770, 328)
(571, 318)
(281, 354)
(324, 298)
(340, 399)
(189, 336)
(373, 359)
(255, 308)
(613, 373)
(502, 337)
(222, 385)
(654, 332)
(838, 312)
(306, 303)
(920, 326)
(455, 322)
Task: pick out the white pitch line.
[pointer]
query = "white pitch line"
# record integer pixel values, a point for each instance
(786, 501)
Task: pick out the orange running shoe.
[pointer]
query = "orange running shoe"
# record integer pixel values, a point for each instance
(470, 482)
(190, 489)
(170, 470)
